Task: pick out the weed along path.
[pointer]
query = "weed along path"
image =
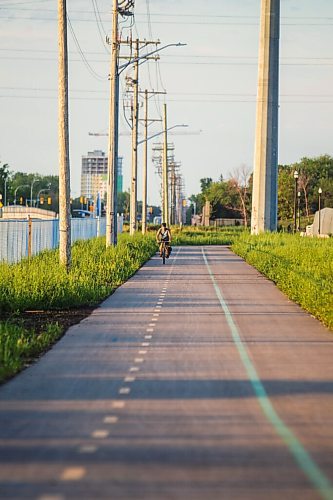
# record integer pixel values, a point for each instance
(197, 379)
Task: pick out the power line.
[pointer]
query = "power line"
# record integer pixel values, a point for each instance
(83, 57)
(199, 23)
(100, 26)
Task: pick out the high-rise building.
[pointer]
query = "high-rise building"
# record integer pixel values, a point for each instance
(94, 174)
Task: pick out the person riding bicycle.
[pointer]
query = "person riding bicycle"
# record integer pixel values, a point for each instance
(164, 236)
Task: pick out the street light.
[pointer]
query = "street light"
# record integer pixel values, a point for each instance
(44, 190)
(160, 133)
(295, 198)
(32, 184)
(18, 187)
(298, 210)
(319, 206)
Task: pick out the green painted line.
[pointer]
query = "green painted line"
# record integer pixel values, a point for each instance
(319, 480)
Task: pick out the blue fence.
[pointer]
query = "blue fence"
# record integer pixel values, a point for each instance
(14, 235)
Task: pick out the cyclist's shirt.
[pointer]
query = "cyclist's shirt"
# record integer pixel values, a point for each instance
(164, 235)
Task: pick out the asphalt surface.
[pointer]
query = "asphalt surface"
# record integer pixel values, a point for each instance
(194, 380)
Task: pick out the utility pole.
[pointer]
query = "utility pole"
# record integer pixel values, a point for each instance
(135, 121)
(145, 167)
(111, 203)
(264, 198)
(145, 158)
(165, 186)
(63, 135)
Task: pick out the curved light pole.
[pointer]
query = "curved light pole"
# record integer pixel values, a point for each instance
(295, 199)
(18, 187)
(319, 207)
(44, 190)
(32, 184)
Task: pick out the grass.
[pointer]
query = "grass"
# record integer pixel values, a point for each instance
(42, 285)
(205, 235)
(301, 267)
(18, 346)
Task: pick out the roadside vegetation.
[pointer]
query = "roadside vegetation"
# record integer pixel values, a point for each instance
(205, 235)
(41, 285)
(301, 267)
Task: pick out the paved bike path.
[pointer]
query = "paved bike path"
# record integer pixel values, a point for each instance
(197, 379)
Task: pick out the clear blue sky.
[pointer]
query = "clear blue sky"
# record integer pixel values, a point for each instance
(211, 82)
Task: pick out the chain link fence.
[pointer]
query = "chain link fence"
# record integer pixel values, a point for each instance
(21, 238)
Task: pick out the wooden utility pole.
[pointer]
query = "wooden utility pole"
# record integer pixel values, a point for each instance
(264, 198)
(63, 135)
(145, 168)
(165, 184)
(135, 117)
(111, 203)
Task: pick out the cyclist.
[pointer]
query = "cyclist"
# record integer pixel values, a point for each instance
(164, 236)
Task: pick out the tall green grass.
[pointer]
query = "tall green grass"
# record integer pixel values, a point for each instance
(205, 235)
(41, 284)
(19, 345)
(301, 267)
(95, 273)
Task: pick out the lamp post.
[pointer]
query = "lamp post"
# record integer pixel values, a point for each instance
(44, 190)
(31, 187)
(18, 187)
(319, 207)
(299, 210)
(295, 198)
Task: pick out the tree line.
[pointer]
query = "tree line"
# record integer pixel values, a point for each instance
(45, 192)
(232, 197)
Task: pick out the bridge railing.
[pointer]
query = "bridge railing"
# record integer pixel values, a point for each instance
(22, 238)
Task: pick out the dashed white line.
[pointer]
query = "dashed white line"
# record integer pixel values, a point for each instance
(73, 474)
(134, 369)
(129, 379)
(88, 449)
(124, 390)
(150, 330)
(100, 434)
(148, 337)
(142, 352)
(111, 419)
(145, 344)
(138, 360)
(118, 404)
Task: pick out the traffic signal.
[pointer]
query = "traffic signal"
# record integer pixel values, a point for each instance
(21, 200)
(150, 210)
(81, 199)
(49, 200)
(184, 203)
(41, 200)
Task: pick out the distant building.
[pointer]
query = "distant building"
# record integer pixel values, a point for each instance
(94, 174)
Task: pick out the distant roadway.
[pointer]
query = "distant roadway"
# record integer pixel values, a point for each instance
(194, 380)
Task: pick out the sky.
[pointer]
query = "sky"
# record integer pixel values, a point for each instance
(211, 83)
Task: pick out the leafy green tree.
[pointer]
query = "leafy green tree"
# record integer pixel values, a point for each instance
(5, 175)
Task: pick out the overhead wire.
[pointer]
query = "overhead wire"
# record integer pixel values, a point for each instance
(100, 26)
(81, 53)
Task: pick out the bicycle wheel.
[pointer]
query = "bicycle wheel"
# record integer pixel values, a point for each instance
(163, 255)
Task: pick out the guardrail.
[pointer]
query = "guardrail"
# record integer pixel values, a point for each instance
(23, 238)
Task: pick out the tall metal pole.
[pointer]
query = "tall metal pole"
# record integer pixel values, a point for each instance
(165, 186)
(111, 201)
(134, 180)
(264, 198)
(145, 168)
(63, 134)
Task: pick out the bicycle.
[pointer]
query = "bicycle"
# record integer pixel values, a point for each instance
(163, 251)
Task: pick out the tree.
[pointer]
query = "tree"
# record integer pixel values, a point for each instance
(5, 175)
(205, 183)
(240, 178)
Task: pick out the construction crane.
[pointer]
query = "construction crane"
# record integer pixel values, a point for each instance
(105, 134)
